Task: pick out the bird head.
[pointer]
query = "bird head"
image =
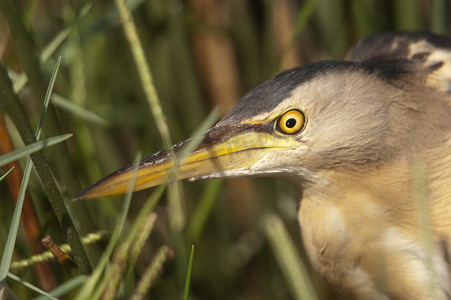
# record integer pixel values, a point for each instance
(328, 115)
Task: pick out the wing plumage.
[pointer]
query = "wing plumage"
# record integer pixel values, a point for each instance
(430, 53)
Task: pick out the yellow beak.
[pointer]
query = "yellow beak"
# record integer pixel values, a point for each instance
(223, 152)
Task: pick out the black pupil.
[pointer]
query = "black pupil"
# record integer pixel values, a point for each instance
(290, 123)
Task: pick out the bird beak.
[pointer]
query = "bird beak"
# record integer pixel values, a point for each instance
(224, 151)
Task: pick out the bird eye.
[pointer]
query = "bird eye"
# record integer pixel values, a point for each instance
(291, 122)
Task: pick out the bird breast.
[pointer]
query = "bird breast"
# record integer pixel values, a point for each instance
(367, 249)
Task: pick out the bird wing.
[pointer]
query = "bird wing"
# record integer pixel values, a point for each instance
(430, 53)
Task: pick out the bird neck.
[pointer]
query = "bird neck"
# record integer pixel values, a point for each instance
(360, 231)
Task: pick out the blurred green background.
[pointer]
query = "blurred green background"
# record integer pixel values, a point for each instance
(202, 54)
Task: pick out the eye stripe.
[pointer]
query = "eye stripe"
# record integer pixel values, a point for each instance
(291, 122)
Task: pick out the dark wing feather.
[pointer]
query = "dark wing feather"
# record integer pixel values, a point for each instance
(430, 52)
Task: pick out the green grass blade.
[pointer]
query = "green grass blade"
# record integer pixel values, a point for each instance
(12, 235)
(51, 47)
(13, 229)
(19, 117)
(6, 174)
(203, 210)
(30, 286)
(120, 224)
(48, 95)
(78, 111)
(188, 274)
(144, 211)
(95, 284)
(21, 80)
(127, 200)
(292, 267)
(65, 287)
(198, 135)
(31, 148)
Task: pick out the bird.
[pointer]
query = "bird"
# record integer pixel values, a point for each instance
(364, 141)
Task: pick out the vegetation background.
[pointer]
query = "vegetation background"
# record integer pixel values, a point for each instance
(203, 54)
